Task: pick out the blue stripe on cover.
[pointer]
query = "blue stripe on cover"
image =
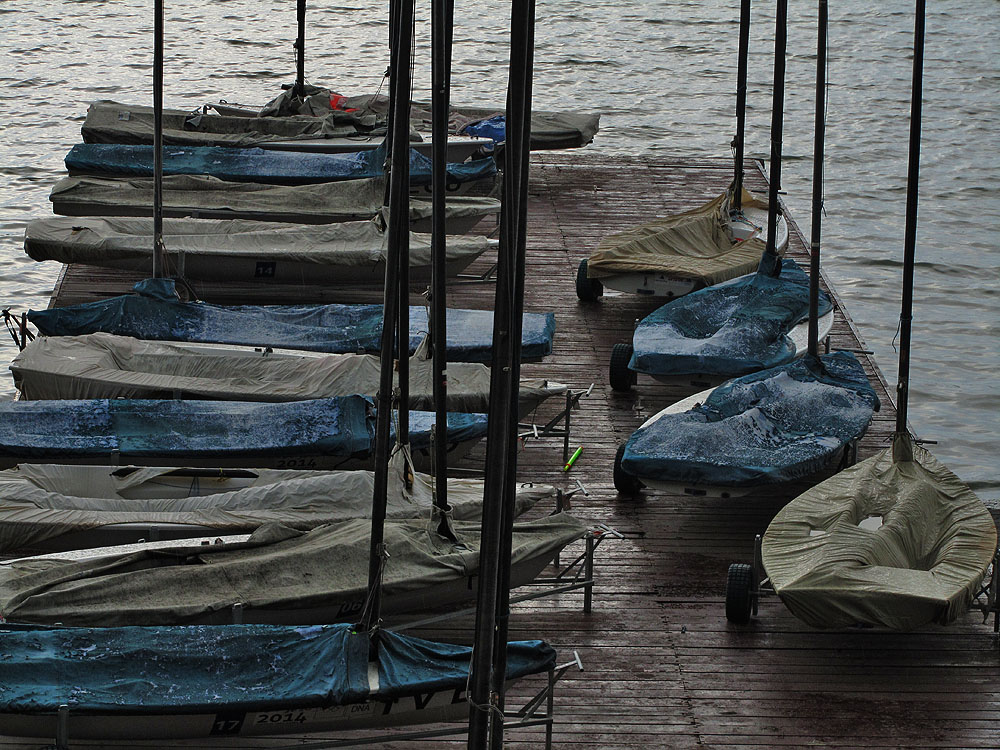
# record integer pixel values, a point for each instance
(193, 669)
(772, 426)
(175, 429)
(155, 312)
(259, 165)
(729, 329)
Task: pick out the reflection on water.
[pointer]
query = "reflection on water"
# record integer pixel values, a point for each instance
(664, 77)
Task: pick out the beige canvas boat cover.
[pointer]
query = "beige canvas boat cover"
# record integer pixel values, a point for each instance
(103, 365)
(112, 122)
(97, 241)
(188, 194)
(40, 502)
(923, 563)
(276, 569)
(696, 244)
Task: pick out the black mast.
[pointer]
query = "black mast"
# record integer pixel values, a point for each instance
(777, 122)
(159, 252)
(741, 102)
(910, 232)
(300, 50)
(486, 682)
(442, 20)
(817, 196)
(398, 181)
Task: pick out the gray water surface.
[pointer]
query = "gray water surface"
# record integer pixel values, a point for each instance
(663, 75)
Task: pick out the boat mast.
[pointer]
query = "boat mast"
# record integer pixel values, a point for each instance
(159, 252)
(777, 123)
(442, 23)
(741, 103)
(817, 196)
(300, 50)
(910, 231)
(397, 251)
(486, 683)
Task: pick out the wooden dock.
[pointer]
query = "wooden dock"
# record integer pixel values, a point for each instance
(663, 668)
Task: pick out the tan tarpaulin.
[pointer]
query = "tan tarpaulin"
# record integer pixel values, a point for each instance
(922, 564)
(321, 203)
(696, 244)
(40, 502)
(98, 240)
(103, 365)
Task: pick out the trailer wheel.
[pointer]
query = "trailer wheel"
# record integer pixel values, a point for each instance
(619, 374)
(587, 289)
(625, 483)
(740, 593)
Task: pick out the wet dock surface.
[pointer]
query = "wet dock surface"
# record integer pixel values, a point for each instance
(662, 666)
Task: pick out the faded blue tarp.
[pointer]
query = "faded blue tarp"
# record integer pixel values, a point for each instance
(175, 429)
(155, 312)
(729, 329)
(259, 165)
(206, 668)
(772, 426)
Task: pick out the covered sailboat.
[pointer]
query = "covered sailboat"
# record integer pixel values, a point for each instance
(103, 365)
(351, 253)
(317, 433)
(896, 541)
(234, 680)
(278, 575)
(154, 311)
(715, 242)
(200, 196)
(731, 329)
(338, 131)
(48, 507)
(260, 165)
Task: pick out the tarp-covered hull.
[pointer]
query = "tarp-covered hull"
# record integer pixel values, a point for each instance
(199, 196)
(260, 165)
(102, 365)
(239, 250)
(673, 256)
(335, 433)
(277, 576)
(156, 313)
(920, 562)
(774, 426)
(47, 507)
(236, 680)
(730, 329)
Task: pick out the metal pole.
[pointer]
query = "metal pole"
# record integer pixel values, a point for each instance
(159, 265)
(910, 232)
(777, 122)
(300, 50)
(741, 101)
(401, 164)
(817, 196)
(398, 179)
(442, 20)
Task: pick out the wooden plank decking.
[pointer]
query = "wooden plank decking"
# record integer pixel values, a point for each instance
(663, 668)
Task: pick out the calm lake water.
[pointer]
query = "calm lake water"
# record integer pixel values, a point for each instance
(663, 75)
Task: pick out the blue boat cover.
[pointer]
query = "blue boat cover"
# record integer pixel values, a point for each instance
(729, 329)
(492, 127)
(259, 165)
(174, 429)
(772, 426)
(206, 668)
(155, 312)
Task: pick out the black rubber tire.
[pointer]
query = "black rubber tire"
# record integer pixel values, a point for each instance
(619, 375)
(740, 593)
(625, 483)
(588, 290)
